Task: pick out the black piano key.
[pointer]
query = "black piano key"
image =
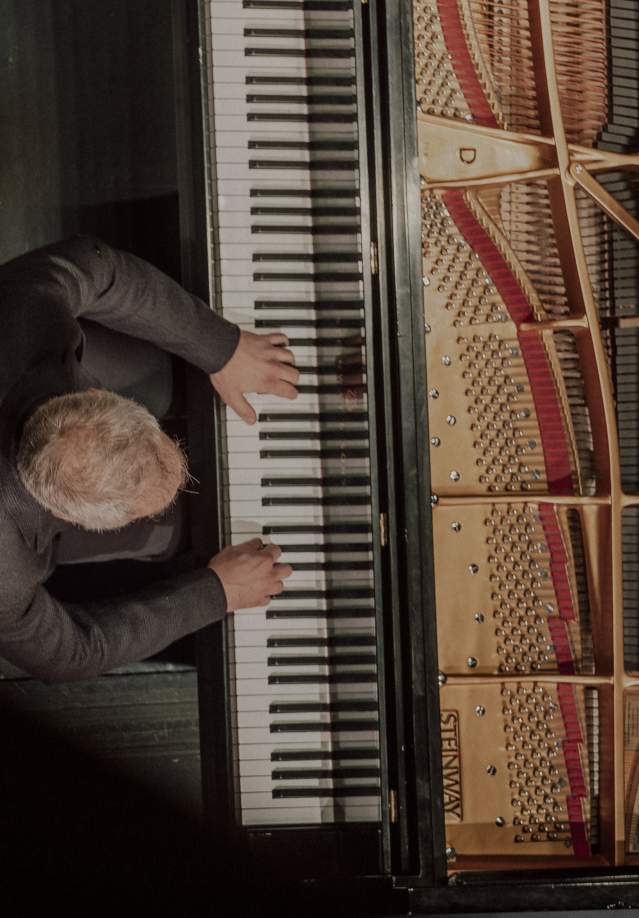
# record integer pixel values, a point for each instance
(344, 435)
(318, 229)
(333, 146)
(308, 277)
(325, 726)
(319, 6)
(333, 566)
(307, 118)
(312, 33)
(324, 369)
(321, 417)
(327, 547)
(349, 528)
(334, 678)
(297, 774)
(323, 98)
(330, 593)
(354, 341)
(326, 481)
(311, 323)
(346, 754)
(309, 304)
(348, 500)
(291, 793)
(279, 80)
(314, 453)
(306, 211)
(333, 640)
(308, 53)
(341, 192)
(312, 165)
(328, 614)
(331, 659)
(338, 257)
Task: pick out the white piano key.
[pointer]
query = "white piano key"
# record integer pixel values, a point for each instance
(258, 703)
(235, 41)
(263, 768)
(246, 687)
(263, 737)
(292, 815)
(231, 10)
(249, 631)
(257, 719)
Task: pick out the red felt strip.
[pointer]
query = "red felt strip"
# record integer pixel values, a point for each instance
(457, 47)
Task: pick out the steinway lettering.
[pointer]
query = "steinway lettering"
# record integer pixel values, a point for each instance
(451, 762)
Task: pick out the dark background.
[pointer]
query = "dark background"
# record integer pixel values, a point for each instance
(99, 781)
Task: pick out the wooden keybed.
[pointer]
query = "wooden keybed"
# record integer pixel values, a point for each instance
(512, 99)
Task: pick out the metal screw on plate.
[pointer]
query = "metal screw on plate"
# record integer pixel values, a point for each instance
(479, 617)
(491, 770)
(442, 678)
(434, 393)
(480, 710)
(434, 500)
(451, 854)
(471, 662)
(446, 360)
(456, 526)
(435, 441)
(500, 821)
(454, 475)
(451, 420)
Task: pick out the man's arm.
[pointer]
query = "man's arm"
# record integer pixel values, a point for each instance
(59, 642)
(86, 278)
(62, 642)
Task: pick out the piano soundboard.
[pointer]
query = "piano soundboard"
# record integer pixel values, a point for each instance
(436, 201)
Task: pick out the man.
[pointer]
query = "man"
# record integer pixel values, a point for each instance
(83, 468)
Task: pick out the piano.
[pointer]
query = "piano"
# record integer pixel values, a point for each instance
(437, 202)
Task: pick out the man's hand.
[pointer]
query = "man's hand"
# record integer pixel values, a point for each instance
(261, 363)
(249, 574)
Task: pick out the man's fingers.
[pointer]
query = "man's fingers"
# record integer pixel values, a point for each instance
(282, 571)
(273, 550)
(252, 544)
(242, 407)
(278, 339)
(289, 374)
(283, 355)
(284, 390)
(276, 588)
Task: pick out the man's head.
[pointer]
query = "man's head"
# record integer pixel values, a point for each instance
(99, 460)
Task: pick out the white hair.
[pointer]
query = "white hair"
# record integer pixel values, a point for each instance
(98, 460)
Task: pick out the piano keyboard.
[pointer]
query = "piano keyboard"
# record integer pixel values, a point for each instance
(286, 256)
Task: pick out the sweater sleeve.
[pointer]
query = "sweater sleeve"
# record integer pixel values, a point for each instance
(59, 642)
(85, 277)
(64, 643)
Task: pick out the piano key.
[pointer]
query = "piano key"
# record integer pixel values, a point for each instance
(343, 754)
(335, 790)
(293, 815)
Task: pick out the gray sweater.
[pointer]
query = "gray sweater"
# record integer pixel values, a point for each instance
(42, 296)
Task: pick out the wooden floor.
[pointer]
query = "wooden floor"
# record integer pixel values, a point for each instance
(99, 782)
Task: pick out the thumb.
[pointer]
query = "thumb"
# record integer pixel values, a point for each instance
(243, 408)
